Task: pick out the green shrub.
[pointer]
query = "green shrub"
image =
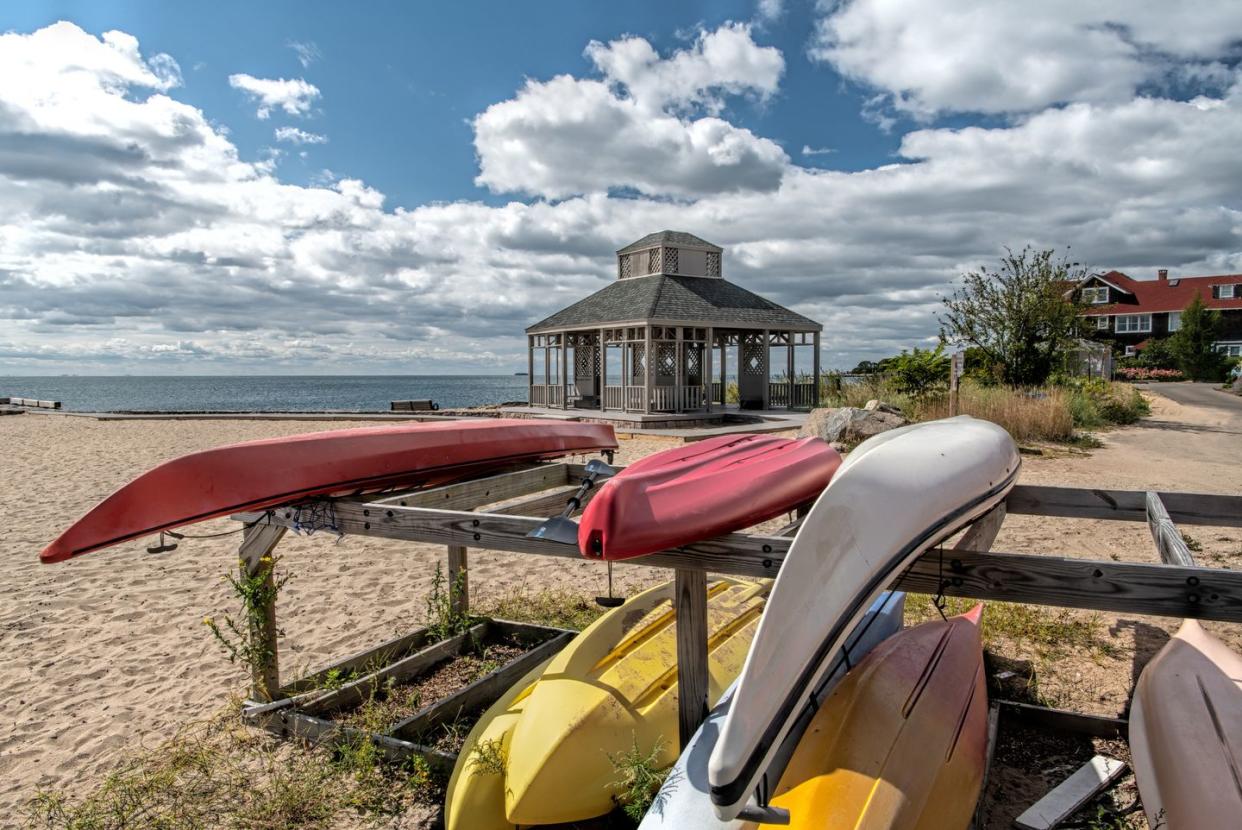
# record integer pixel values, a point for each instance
(918, 372)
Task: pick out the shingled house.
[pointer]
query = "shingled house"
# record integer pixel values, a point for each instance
(660, 337)
(1129, 312)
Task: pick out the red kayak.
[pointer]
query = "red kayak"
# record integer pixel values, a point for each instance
(258, 474)
(701, 490)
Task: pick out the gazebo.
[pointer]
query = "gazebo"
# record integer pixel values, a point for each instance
(667, 336)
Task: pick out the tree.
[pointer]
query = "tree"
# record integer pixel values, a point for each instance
(918, 372)
(1157, 354)
(1193, 345)
(1021, 315)
(865, 367)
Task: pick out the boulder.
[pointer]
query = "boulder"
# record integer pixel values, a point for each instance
(849, 425)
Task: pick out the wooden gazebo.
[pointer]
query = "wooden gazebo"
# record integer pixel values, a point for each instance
(663, 336)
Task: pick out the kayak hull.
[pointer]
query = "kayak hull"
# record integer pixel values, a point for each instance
(897, 495)
(1186, 733)
(701, 490)
(255, 475)
(901, 743)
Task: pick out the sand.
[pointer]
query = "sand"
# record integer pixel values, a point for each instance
(108, 652)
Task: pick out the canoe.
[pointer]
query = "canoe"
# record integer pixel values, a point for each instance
(701, 490)
(902, 740)
(683, 801)
(611, 689)
(895, 496)
(1186, 733)
(254, 475)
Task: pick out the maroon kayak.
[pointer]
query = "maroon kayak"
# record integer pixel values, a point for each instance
(254, 475)
(701, 490)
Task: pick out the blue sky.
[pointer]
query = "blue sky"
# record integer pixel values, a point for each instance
(304, 187)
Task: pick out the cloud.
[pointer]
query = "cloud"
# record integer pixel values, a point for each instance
(633, 128)
(808, 150)
(133, 235)
(295, 96)
(769, 10)
(307, 51)
(1013, 56)
(295, 136)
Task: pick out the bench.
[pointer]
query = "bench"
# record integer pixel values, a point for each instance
(426, 405)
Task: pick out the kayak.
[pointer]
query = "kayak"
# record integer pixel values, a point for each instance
(702, 490)
(1186, 733)
(897, 495)
(254, 475)
(612, 689)
(683, 799)
(902, 740)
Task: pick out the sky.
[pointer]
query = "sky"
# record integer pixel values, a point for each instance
(308, 188)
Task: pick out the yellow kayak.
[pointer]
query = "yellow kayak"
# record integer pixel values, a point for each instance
(901, 743)
(614, 686)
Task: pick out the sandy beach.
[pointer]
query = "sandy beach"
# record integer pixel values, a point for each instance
(108, 652)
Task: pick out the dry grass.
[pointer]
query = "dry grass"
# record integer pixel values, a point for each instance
(1040, 415)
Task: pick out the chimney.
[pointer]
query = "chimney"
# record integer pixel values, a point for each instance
(1163, 274)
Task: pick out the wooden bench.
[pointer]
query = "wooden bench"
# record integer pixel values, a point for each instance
(31, 402)
(425, 405)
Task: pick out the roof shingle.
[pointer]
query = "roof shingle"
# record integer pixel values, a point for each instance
(669, 238)
(1172, 294)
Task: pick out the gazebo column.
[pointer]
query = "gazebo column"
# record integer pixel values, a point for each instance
(530, 368)
(789, 371)
(815, 394)
(766, 355)
(679, 371)
(705, 371)
(602, 381)
(724, 370)
(647, 357)
(564, 370)
(547, 370)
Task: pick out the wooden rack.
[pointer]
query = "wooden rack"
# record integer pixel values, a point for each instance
(496, 512)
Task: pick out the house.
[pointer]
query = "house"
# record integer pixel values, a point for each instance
(1129, 312)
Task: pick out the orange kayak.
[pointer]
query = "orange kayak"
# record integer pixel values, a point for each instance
(254, 475)
(901, 743)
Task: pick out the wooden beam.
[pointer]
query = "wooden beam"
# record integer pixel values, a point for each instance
(1158, 590)
(466, 495)
(458, 579)
(977, 822)
(1070, 795)
(258, 542)
(1124, 505)
(324, 732)
(980, 535)
(1063, 720)
(361, 662)
(690, 599)
(1173, 548)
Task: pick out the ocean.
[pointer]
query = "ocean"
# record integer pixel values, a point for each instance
(262, 394)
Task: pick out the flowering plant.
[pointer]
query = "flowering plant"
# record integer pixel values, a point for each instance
(1143, 373)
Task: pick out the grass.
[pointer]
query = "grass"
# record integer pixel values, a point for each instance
(639, 776)
(551, 606)
(1049, 632)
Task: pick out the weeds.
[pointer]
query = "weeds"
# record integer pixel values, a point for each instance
(488, 758)
(244, 642)
(1192, 543)
(444, 620)
(639, 777)
(557, 608)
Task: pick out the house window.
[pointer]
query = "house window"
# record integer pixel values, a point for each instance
(1175, 321)
(1101, 322)
(1095, 296)
(1133, 323)
(1131, 351)
(1230, 349)
(1226, 292)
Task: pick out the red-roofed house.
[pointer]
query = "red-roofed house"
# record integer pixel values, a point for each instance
(1130, 312)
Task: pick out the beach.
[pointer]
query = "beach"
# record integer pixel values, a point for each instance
(109, 652)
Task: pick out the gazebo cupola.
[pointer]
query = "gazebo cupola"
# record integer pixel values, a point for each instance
(670, 335)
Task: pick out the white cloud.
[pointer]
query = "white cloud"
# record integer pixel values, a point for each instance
(808, 150)
(293, 135)
(307, 51)
(295, 96)
(769, 10)
(1016, 56)
(632, 129)
(133, 235)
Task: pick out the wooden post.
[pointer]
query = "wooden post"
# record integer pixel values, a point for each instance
(258, 542)
(767, 368)
(647, 370)
(679, 373)
(789, 369)
(603, 370)
(724, 373)
(1173, 548)
(690, 600)
(957, 364)
(706, 368)
(459, 579)
(815, 394)
(564, 354)
(530, 368)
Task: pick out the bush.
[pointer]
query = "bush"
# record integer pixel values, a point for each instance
(917, 372)
(1133, 373)
(1095, 402)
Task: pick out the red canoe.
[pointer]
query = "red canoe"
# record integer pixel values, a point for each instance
(258, 474)
(702, 490)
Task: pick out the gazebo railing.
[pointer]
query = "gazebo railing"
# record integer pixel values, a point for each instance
(784, 395)
(676, 398)
(614, 397)
(546, 394)
(634, 399)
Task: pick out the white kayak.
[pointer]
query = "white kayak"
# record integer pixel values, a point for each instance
(895, 496)
(683, 802)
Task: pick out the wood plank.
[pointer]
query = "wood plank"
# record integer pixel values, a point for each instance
(542, 505)
(1173, 548)
(324, 732)
(1067, 797)
(977, 822)
(363, 661)
(355, 692)
(458, 579)
(465, 495)
(1138, 588)
(1124, 505)
(690, 601)
(1063, 720)
(258, 541)
(980, 535)
(483, 692)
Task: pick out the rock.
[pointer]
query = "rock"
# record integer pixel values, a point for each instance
(879, 406)
(838, 446)
(849, 425)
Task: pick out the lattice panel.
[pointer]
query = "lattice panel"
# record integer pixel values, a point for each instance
(670, 260)
(713, 264)
(653, 260)
(694, 365)
(586, 362)
(623, 266)
(638, 362)
(666, 359)
(752, 355)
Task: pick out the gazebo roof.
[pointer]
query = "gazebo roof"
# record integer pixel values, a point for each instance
(678, 238)
(665, 298)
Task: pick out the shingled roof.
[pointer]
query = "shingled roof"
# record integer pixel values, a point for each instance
(1167, 294)
(685, 240)
(680, 299)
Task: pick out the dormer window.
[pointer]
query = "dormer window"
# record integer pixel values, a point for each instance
(1095, 295)
(1225, 292)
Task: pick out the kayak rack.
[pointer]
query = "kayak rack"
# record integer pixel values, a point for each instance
(497, 511)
